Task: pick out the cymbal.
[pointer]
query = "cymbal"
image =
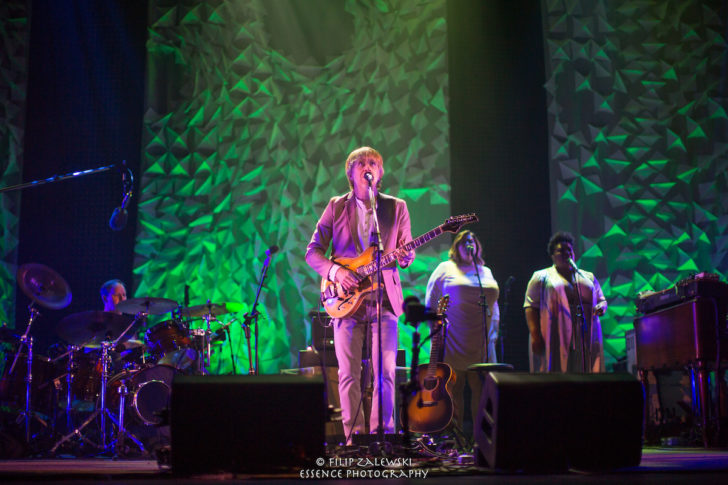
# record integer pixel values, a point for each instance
(91, 328)
(129, 345)
(149, 305)
(213, 309)
(44, 286)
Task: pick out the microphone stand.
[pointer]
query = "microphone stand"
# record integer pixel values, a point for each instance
(484, 357)
(253, 315)
(380, 444)
(581, 322)
(56, 178)
(502, 328)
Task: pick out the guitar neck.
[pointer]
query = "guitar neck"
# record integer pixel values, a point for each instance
(370, 268)
(435, 347)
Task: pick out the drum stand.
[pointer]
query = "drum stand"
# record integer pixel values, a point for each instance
(103, 412)
(27, 341)
(205, 362)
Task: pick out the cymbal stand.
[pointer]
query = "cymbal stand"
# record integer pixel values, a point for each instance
(69, 386)
(204, 363)
(245, 324)
(27, 341)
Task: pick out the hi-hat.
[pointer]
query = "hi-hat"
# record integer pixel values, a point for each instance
(90, 328)
(148, 305)
(44, 286)
(213, 309)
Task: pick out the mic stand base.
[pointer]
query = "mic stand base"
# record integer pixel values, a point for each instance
(380, 448)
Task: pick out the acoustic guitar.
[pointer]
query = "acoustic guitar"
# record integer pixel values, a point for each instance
(341, 304)
(431, 409)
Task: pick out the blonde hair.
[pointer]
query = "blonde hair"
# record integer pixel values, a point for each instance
(459, 240)
(358, 154)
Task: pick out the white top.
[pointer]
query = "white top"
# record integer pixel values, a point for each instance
(465, 340)
(555, 299)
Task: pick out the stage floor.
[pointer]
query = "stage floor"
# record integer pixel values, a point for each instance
(658, 465)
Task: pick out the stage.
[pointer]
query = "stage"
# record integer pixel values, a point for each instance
(658, 465)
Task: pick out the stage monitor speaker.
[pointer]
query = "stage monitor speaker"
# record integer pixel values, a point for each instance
(553, 422)
(246, 423)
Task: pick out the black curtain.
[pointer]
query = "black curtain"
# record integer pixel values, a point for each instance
(84, 110)
(499, 145)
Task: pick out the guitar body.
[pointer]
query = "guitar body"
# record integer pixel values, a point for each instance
(431, 409)
(339, 303)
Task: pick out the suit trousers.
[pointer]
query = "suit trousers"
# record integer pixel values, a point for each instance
(349, 334)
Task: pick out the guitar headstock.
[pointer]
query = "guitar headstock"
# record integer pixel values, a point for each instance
(454, 223)
(442, 304)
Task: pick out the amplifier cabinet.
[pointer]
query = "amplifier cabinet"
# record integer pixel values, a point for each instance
(679, 335)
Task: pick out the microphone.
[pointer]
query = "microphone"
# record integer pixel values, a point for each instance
(470, 245)
(271, 250)
(509, 282)
(369, 177)
(118, 218)
(573, 265)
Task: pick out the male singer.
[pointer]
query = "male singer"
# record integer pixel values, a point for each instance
(346, 225)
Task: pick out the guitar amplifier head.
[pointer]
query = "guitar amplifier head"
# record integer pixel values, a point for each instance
(322, 333)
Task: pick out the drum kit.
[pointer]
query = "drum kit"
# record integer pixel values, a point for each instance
(117, 385)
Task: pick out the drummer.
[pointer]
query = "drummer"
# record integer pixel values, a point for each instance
(113, 292)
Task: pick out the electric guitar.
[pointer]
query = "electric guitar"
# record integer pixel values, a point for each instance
(431, 409)
(341, 304)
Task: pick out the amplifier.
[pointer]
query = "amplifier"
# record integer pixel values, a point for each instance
(322, 333)
(706, 285)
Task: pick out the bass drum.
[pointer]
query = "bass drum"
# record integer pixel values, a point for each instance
(148, 393)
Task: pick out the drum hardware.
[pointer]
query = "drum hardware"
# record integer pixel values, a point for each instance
(206, 337)
(46, 288)
(121, 431)
(89, 329)
(205, 362)
(169, 343)
(216, 309)
(147, 305)
(102, 411)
